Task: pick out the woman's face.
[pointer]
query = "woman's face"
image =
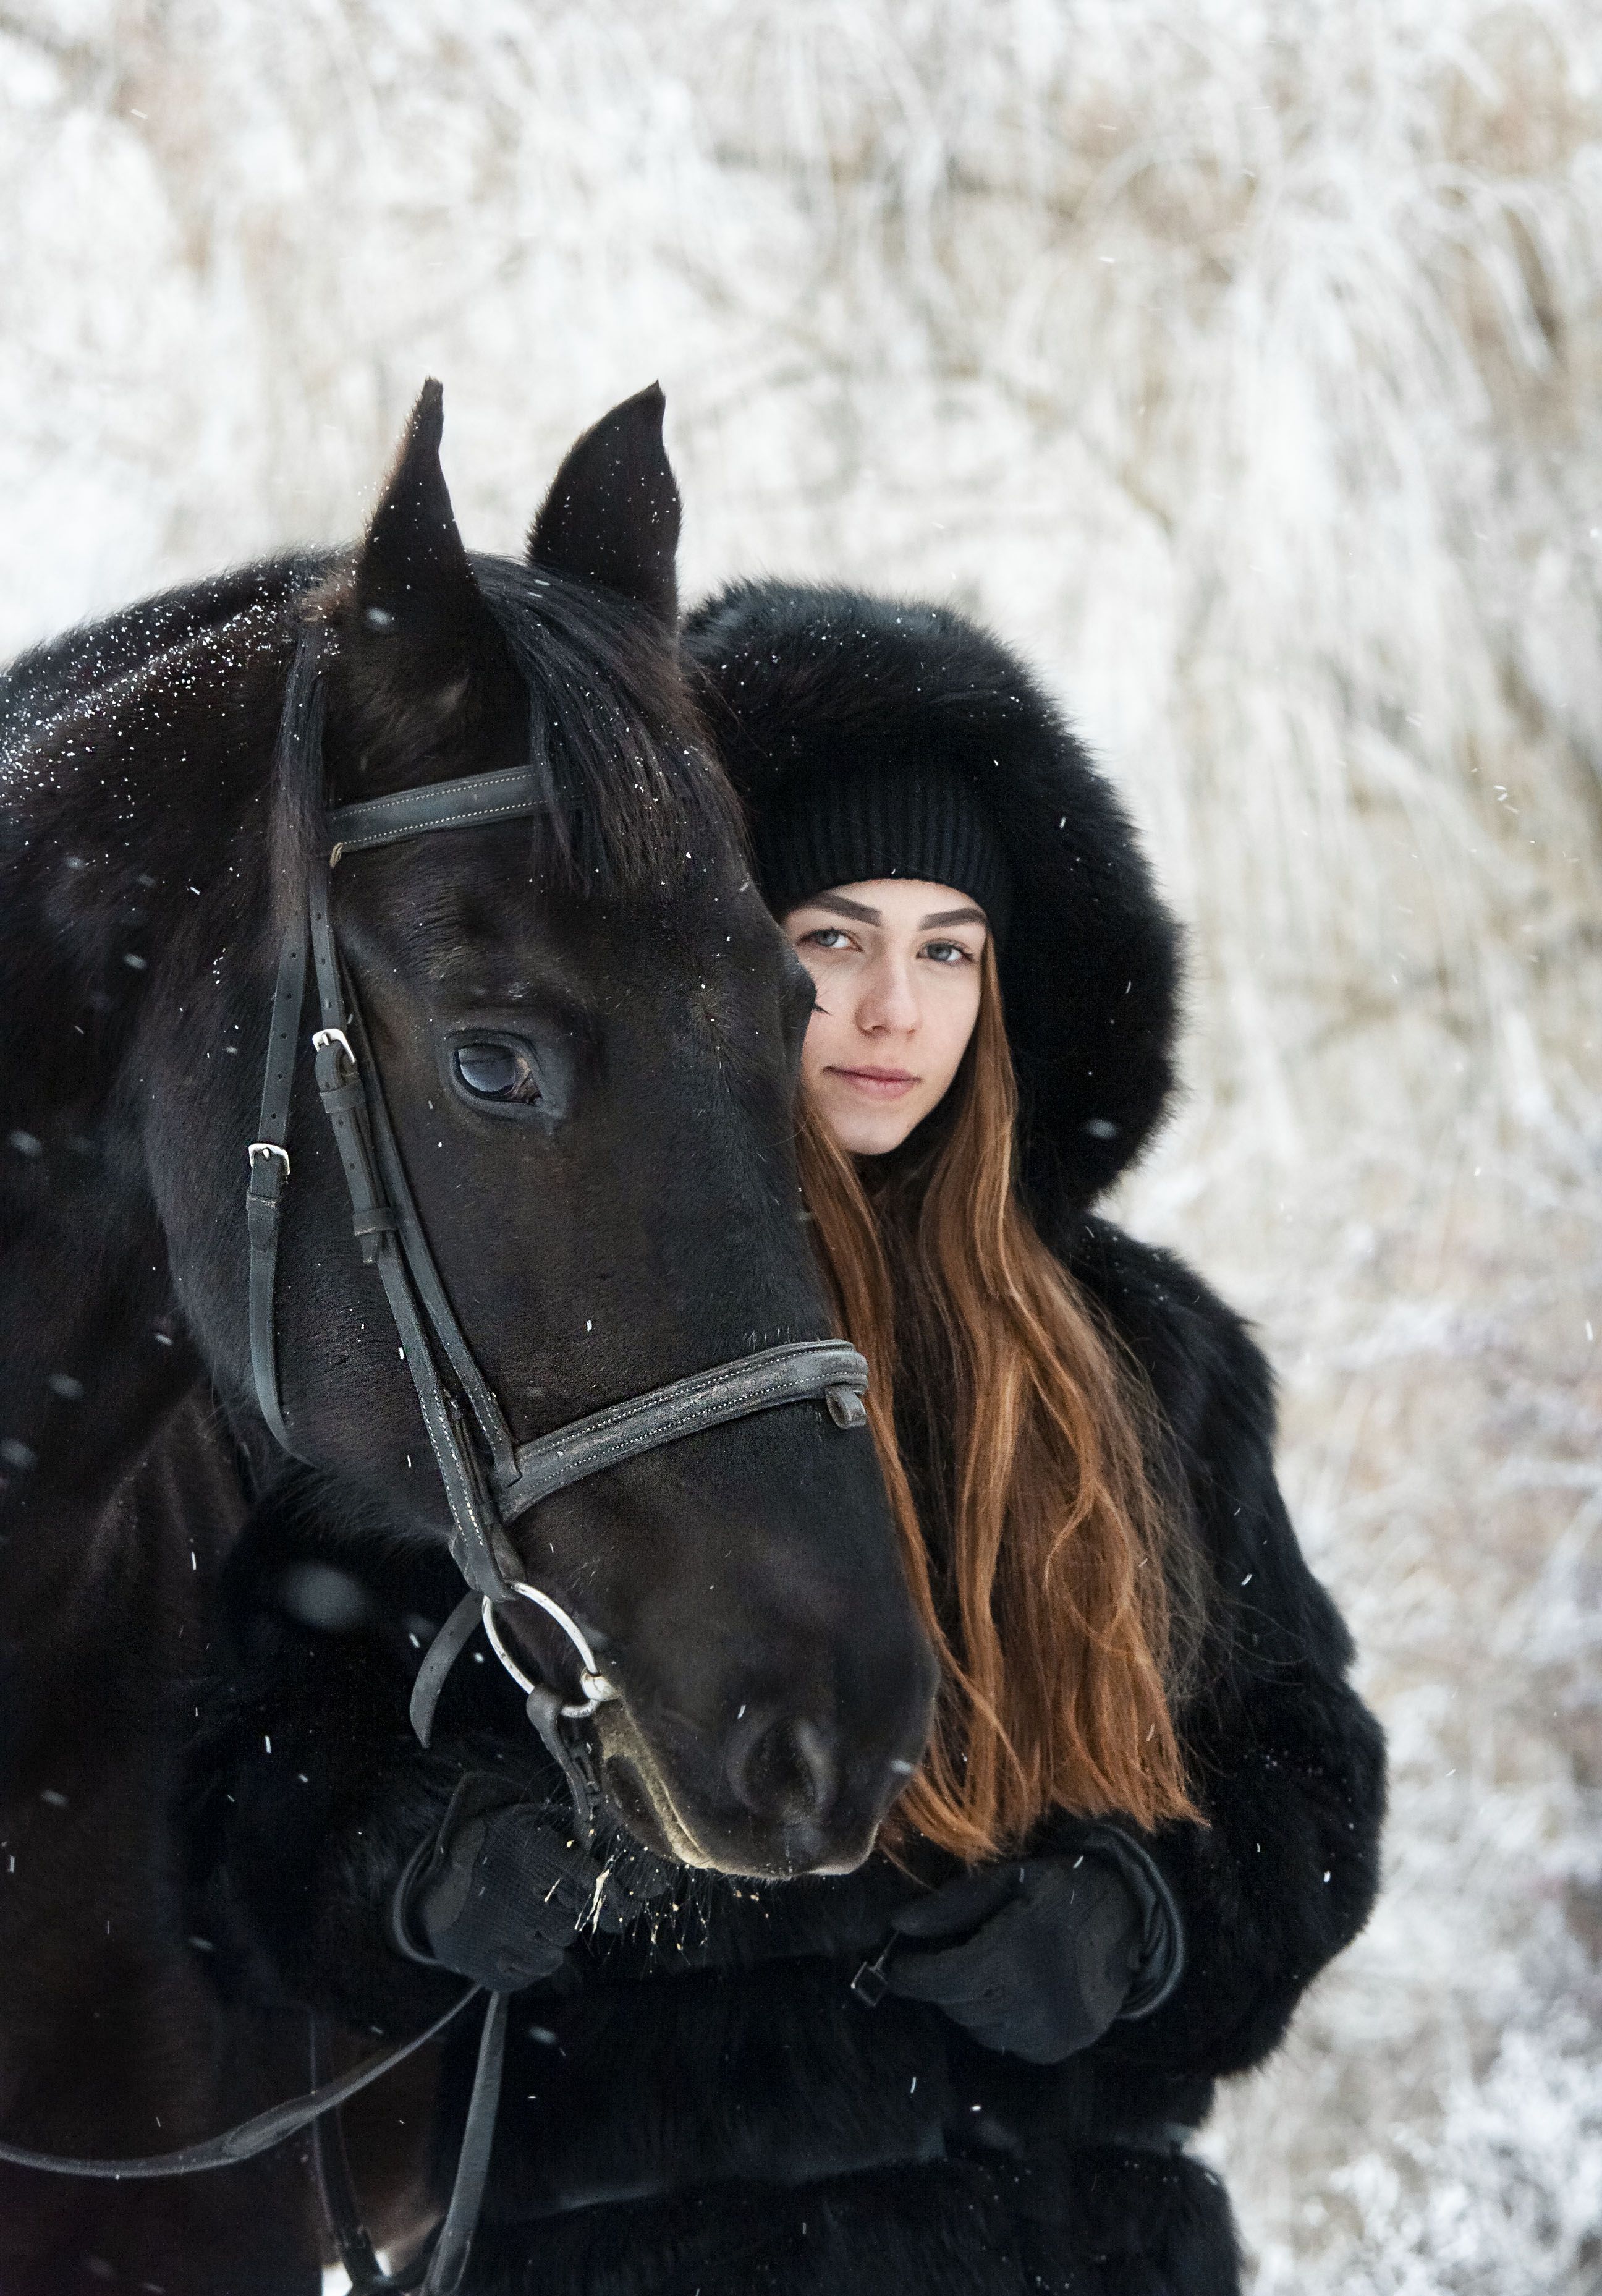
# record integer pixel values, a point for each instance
(896, 964)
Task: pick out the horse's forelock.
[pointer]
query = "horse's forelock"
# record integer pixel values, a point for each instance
(636, 799)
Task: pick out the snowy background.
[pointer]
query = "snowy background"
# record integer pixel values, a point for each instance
(1243, 359)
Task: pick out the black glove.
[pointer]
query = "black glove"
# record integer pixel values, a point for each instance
(501, 1890)
(1053, 1949)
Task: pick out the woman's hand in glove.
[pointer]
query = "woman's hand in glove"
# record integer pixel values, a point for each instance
(1052, 1950)
(501, 1890)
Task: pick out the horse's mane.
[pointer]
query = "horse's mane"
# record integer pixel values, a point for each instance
(633, 791)
(63, 672)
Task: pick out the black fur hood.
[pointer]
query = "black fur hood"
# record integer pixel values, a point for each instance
(811, 681)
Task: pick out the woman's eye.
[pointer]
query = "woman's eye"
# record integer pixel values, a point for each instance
(494, 1070)
(827, 937)
(948, 952)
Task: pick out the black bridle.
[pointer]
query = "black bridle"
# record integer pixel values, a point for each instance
(490, 1483)
(489, 1479)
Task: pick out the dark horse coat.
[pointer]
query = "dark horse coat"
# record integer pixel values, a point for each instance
(703, 2104)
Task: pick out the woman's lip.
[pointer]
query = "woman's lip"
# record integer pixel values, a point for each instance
(880, 1084)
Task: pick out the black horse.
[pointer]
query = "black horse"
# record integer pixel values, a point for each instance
(587, 1029)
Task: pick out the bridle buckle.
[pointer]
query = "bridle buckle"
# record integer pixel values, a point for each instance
(269, 1148)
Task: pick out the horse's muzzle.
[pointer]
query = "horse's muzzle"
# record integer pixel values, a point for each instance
(776, 1795)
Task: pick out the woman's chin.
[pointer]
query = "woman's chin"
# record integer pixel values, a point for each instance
(871, 1132)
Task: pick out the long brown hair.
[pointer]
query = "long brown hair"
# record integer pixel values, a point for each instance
(1047, 1578)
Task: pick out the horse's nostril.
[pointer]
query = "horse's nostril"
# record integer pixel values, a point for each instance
(814, 1761)
(783, 1771)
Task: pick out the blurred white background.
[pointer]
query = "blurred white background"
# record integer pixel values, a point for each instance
(1244, 362)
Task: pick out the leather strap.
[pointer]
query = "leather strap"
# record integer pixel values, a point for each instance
(269, 1174)
(438, 1658)
(472, 802)
(299, 730)
(441, 2265)
(454, 2238)
(829, 1371)
(257, 2135)
(419, 1263)
(336, 2188)
(471, 1540)
(344, 1093)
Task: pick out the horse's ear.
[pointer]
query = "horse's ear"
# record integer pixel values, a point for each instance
(420, 649)
(612, 514)
(412, 581)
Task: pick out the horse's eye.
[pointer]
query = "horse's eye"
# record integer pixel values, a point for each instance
(494, 1069)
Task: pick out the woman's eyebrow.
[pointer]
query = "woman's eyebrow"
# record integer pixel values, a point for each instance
(844, 909)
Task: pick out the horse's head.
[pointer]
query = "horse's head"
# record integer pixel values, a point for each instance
(587, 1031)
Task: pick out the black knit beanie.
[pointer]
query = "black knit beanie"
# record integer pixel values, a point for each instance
(901, 820)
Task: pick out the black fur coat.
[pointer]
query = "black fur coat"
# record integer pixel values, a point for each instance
(702, 2104)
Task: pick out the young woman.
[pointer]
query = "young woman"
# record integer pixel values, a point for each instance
(1150, 1810)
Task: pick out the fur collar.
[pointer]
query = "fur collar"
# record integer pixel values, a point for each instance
(798, 681)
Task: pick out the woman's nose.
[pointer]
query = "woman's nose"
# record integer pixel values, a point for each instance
(887, 1003)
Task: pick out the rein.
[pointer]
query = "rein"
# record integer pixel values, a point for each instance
(489, 1481)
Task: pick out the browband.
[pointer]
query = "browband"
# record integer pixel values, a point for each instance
(469, 803)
